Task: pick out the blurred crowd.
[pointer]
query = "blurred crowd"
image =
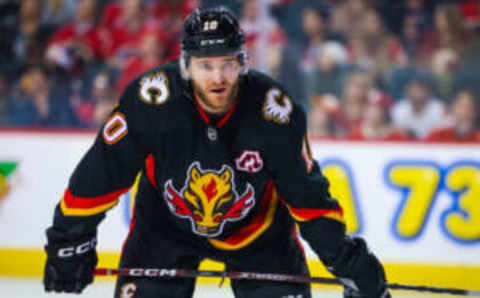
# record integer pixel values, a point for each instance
(362, 69)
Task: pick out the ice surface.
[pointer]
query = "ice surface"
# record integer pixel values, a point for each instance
(32, 288)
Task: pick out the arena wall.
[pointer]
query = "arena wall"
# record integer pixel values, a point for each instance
(416, 203)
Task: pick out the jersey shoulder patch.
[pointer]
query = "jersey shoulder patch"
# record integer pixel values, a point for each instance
(276, 104)
(277, 107)
(154, 88)
(148, 98)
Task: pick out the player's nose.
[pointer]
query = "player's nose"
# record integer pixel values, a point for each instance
(218, 76)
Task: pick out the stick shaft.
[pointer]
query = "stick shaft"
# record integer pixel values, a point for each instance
(172, 273)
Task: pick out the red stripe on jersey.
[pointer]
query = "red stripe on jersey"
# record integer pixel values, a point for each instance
(150, 169)
(72, 201)
(305, 214)
(263, 219)
(227, 115)
(201, 112)
(222, 121)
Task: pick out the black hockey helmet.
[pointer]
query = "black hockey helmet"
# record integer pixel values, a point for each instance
(212, 31)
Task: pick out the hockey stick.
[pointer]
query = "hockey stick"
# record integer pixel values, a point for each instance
(169, 273)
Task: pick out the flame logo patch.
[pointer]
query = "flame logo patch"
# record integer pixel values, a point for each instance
(209, 199)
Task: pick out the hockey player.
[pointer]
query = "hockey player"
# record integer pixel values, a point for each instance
(225, 172)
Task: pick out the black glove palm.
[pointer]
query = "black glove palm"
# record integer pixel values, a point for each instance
(70, 263)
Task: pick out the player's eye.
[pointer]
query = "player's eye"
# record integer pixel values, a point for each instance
(229, 65)
(206, 66)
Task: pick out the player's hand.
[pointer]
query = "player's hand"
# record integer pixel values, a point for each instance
(70, 264)
(360, 271)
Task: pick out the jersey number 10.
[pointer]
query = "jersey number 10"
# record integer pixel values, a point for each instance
(210, 25)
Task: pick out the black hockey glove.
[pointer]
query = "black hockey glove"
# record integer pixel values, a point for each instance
(359, 270)
(70, 263)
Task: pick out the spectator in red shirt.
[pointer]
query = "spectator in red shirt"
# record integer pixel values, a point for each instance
(153, 44)
(112, 12)
(376, 124)
(171, 13)
(125, 29)
(464, 129)
(260, 30)
(80, 42)
(471, 12)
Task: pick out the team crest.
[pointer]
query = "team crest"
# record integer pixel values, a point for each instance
(209, 199)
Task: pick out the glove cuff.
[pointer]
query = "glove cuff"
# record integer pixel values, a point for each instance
(60, 247)
(339, 265)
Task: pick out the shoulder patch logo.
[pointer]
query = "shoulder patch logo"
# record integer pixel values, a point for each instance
(277, 107)
(154, 88)
(249, 161)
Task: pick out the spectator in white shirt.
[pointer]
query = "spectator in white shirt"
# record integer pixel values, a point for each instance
(420, 111)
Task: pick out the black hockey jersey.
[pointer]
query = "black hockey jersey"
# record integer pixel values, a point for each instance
(223, 179)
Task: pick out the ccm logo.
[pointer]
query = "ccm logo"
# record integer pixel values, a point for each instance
(152, 272)
(77, 250)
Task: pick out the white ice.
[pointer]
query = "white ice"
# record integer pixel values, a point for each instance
(32, 288)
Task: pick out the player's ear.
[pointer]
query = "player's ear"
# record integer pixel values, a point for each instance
(185, 65)
(225, 175)
(242, 58)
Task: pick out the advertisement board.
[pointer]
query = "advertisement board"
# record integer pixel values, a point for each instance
(417, 204)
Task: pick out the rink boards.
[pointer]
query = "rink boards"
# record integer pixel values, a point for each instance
(417, 204)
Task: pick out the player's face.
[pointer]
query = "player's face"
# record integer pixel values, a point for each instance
(215, 81)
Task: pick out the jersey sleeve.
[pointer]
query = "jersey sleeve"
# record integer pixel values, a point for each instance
(303, 188)
(107, 170)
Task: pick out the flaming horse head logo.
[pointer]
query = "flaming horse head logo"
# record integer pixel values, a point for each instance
(209, 199)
